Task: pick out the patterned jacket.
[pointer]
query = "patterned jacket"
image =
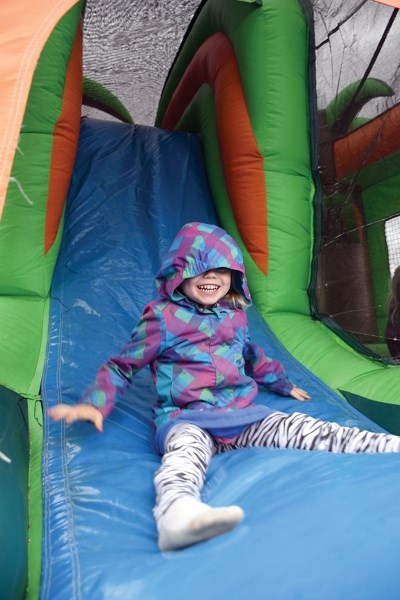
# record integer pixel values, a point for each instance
(204, 366)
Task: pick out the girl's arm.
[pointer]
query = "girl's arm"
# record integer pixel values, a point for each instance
(269, 372)
(113, 376)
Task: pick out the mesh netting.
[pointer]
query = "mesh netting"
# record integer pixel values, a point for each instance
(129, 46)
(392, 234)
(357, 74)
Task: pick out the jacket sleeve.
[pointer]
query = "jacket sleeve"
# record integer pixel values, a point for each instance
(113, 376)
(267, 372)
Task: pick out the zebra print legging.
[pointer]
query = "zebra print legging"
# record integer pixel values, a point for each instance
(189, 449)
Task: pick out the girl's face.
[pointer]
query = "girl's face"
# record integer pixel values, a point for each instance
(209, 287)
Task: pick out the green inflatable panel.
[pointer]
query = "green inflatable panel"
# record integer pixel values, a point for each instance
(26, 268)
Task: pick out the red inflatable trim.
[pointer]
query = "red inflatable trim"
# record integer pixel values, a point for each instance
(215, 64)
(368, 144)
(65, 143)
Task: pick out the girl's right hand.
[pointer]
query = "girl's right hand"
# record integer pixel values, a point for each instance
(77, 412)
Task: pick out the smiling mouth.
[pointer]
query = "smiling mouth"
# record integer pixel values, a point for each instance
(208, 288)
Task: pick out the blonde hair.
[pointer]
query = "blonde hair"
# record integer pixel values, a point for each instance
(235, 299)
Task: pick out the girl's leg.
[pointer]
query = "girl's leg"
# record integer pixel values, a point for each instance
(182, 519)
(301, 431)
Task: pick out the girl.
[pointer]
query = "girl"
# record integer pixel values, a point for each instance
(206, 372)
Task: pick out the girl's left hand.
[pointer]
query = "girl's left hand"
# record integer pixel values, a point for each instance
(299, 394)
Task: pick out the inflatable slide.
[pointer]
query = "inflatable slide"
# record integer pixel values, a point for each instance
(246, 135)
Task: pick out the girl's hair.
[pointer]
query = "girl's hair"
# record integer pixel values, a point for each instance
(394, 296)
(235, 299)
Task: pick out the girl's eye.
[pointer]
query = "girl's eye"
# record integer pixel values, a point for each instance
(222, 270)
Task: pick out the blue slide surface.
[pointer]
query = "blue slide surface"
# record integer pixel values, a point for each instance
(317, 525)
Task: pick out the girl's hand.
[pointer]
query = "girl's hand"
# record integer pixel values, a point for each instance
(77, 412)
(299, 394)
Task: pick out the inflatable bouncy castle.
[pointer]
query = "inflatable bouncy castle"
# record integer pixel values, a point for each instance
(279, 121)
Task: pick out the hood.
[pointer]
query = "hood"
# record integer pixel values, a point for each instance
(199, 247)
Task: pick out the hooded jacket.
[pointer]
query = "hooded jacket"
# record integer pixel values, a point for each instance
(203, 364)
